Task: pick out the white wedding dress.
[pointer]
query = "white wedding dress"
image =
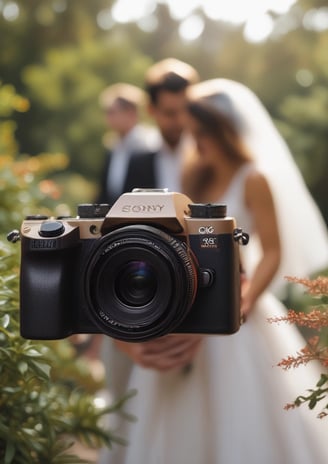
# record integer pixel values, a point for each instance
(229, 407)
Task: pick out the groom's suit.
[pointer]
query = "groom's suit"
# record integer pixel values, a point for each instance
(141, 173)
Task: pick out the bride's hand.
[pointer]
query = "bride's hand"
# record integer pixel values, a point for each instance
(165, 353)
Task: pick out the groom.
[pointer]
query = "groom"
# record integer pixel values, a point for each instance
(166, 83)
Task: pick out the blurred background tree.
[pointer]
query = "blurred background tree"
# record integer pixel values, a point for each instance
(62, 53)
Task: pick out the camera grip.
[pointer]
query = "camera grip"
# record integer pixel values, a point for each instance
(47, 291)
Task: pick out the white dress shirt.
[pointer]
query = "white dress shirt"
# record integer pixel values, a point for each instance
(168, 164)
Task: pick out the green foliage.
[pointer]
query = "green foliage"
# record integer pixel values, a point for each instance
(64, 89)
(20, 191)
(39, 415)
(47, 395)
(303, 115)
(315, 396)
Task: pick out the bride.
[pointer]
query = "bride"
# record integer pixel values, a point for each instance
(227, 407)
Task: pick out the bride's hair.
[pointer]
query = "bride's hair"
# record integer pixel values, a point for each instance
(222, 127)
(225, 130)
(304, 241)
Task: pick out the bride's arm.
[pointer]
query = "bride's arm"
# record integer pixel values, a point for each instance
(259, 201)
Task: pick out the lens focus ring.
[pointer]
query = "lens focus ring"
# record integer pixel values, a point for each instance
(140, 283)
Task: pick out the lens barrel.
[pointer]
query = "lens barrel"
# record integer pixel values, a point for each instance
(140, 283)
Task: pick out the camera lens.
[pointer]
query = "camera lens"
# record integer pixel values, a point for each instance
(136, 283)
(139, 283)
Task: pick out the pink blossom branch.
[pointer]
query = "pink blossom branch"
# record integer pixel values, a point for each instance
(315, 319)
(318, 286)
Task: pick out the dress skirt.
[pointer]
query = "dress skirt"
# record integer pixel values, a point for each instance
(228, 406)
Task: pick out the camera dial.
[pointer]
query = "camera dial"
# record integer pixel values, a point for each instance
(207, 210)
(51, 229)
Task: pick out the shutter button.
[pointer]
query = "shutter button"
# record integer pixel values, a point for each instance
(51, 229)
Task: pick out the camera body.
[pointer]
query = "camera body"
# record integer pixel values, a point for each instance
(154, 263)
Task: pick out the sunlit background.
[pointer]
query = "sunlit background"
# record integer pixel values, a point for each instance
(252, 13)
(60, 54)
(257, 16)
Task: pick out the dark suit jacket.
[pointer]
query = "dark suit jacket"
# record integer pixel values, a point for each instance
(140, 173)
(104, 195)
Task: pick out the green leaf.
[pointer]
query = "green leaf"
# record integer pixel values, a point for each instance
(43, 370)
(22, 367)
(33, 353)
(11, 390)
(312, 403)
(323, 380)
(4, 321)
(10, 452)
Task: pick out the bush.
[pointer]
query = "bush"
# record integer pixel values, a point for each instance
(47, 394)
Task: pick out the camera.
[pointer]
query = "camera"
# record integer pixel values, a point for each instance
(154, 263)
